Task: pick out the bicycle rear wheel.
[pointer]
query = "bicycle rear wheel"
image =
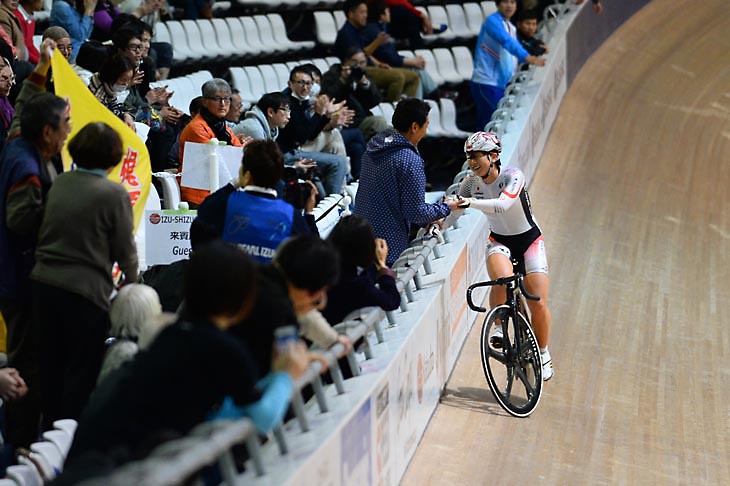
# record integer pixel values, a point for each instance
(514, 373)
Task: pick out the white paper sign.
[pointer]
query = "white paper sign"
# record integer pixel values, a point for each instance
(167, 235)
(196, 165)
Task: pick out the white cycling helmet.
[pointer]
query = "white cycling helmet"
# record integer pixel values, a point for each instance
(483, 142)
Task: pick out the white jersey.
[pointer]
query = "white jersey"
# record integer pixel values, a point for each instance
(505, 201)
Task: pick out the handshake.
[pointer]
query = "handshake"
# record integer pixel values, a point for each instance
(457, 202)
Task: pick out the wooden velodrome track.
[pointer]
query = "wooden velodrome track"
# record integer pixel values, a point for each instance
(633, 195)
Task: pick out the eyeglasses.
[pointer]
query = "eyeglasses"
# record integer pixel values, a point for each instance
(6, 79)
(135, 47)
(218, 99)
(285, 110)
(303, 83)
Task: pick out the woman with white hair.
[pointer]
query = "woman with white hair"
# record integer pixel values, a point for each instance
(136, 318)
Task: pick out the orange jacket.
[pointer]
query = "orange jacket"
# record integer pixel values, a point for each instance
(198, 131)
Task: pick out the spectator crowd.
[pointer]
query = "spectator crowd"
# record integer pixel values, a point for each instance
(118, 355)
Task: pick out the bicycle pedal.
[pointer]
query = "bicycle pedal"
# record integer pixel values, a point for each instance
(495, 341)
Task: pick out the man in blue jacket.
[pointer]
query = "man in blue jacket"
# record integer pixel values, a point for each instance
(495, 60)
(392, 189)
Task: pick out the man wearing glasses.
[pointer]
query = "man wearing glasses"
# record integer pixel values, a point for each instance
(307, 118)
(209, 123)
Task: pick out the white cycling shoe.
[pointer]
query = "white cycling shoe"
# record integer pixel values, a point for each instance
(547, 366)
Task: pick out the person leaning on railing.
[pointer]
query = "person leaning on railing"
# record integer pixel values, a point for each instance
(185, 374)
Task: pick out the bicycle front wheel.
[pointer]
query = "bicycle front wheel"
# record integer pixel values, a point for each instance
(513, 367)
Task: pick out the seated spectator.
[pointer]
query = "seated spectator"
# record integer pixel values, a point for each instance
(395, 82)
(7, 79)
(114, 78)
(24, 11)
(386, 53)
(157, 56)
(305, 123)
(526, 29)
(349, 81)
(290, 288)
(391, 193)
(495, 60)
(11, 25)
(72, 278)
(136, 319)
(209, 123)
(252, 217)
(263, 121)
(362, 266)
(150, 400)
(151, 12)
(77, 18)
(409, 23)
(148, 105)
(329, 140)
(235, 110)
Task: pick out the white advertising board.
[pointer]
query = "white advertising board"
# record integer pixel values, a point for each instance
(167, 235)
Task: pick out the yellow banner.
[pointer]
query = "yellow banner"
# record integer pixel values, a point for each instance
(134, 171)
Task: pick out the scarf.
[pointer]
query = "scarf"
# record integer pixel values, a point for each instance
(218, 125)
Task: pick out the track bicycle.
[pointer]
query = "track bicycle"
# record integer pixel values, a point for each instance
(510, 358)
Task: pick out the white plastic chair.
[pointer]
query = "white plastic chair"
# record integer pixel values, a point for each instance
(321, 64)
(179, 52)
(258, 87)
(24, 475)
(457, 22)
(271, 79)
(340, 18)
(179, 41)
(488, 8)
(388, 109)
(170, 189)
(251, 32)
(446, 65)
(50, 453)
(438, 16)
(434, 127)
(448, 118)
(463, 61)
(142, 130)
(474, 17)
(223, 37)
(279, 28)
(59, 438)
(8, 482)
(69, 425)
(266, 34)
(207, 32)
(209, 50)
(282, 73)
(325, 28)
(240, 81)
(431, 65)
(240, 41)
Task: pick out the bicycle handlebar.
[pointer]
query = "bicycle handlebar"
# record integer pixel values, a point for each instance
(499, 281)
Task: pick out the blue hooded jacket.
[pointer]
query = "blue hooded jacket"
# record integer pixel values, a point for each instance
(392, 190)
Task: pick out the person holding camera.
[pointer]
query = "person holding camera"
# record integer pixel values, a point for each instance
(348, 81)
(250, 215)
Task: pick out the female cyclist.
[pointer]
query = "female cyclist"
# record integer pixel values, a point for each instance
(502, 196)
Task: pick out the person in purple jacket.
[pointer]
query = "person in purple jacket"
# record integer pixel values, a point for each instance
(392, 188)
